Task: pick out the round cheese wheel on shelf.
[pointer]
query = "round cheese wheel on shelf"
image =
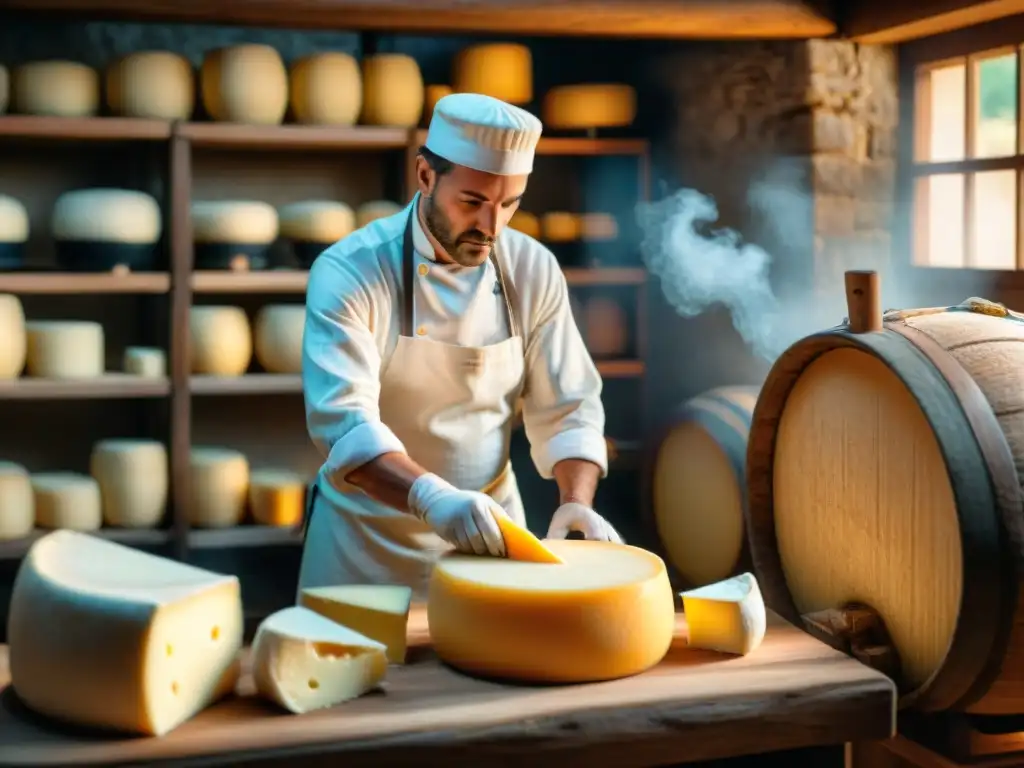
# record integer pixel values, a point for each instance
(65, 349)
(154, 84)
(553, 623)
(219, 485)
(102, 229)
(431, 95)
(278, 332)
(560, 227)
(525, 222)
(221, 340)
(149, 362)
(586, 107)
(17, 505)
(13, 232)
(56, 88)
(392, 90)
(245, 84)
(326, 89)
(501, 70)
(277, 497)
(313, 225)
(375, 209)
(233, 234)
(13, 340)
(5, 89)
(67, 500)
(598, 227)
(132, 475)
(605, 327)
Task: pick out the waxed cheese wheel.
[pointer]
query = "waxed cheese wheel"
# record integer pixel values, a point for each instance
(278, 332)
(392, 90)
(64, 349)
(218, 487)
(148, 362)
(245, 84)
(605, 327)
(5, 89)
(233, 234)
(101, 229)
(560, 227)
(56, 88)
(501, 70)
(67, 500)
(313, 225)
(277, 497)
(525, 222)
(13, 339)
(326, 89)
(431, 95)
(584, 107)
(221, 340)
(375, 209)
(17, 505)
(154, 84)
(133, 478)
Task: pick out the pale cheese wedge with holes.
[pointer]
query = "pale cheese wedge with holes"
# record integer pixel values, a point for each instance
(303, 662)
(727, 616)
(379, 611)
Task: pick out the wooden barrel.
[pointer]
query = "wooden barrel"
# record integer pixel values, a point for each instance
(883, 470)
(697, 486)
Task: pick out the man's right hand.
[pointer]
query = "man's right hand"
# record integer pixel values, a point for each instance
(465, 519)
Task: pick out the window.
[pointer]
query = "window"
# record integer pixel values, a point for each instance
(968, 165)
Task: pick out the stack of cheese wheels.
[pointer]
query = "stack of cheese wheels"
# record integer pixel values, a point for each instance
(233, 234)
(13, 232)
(553, 622)
(67, 500)
(245, 84)
(698, 485)
(148, 362)
(605, 327)
(56, 88)
(17, 505)
(882, 469)
(97, 230)
(13, 341)
(278, 331)
(218, 487)
(154, 84)
(133, 482)
(221, 340)
(326, 89)
(432, 95)
(392, 90)
(600, 235)
(65, 349)
(277, 497)
(157, 639)
(311, 226)
(527, 223)
(589, 107)
(560, 231)
(369, 212)
(501, 70)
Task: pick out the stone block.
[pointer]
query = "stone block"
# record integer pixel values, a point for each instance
(836, 175)
(833, 215)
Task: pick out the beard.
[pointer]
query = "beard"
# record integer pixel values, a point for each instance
(467, 249)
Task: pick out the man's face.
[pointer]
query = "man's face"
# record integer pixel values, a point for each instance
(465, 210)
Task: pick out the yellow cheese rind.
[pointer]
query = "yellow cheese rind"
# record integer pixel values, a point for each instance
(64, 349)
(278, 330)
(592, 105)
(245, 84)
(56, 88)
(525, 222)
(392, 90)
(522, 545)
(133, 476)
(606, 613)
(219, 485)
(67, 500)
(159, 85)
(378, 611)
(728, 616)
(13, 219)
(375, 209)
(13, 336)
(221, 340)
(17, 503)
(276, 497)
(326, 89)
(501, 70)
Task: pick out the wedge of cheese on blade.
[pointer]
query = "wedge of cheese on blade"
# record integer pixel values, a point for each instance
(522, 545)
(302, 661)
(726, 616)
(379, 611)
(105, 636)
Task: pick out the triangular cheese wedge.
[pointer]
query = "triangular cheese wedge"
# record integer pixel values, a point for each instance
(379, 611)
(726, 616)
(522, 545)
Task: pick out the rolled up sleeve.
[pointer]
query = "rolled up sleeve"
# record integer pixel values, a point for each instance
(562, 409)
(341, 371)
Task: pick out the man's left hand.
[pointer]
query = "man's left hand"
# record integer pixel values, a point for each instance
(579, 517)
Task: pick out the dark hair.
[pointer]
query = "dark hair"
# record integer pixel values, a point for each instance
(438, 164)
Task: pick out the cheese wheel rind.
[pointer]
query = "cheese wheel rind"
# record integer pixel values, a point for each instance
(235, 222)
(67, 500)
(151, 84)
(13, 220)
(560, 227)
(13, 337)
(221, 340)
(276, 497)
(392, 90)
(106, 215)
(149, 362)
(133, 479)
(525, 222)
(279, 330)
(501, 70)
(592, 105)
(218, 486)
(326, 89)
(245, 84)
(367, 213)
(316, 221)
(728, 616)
(56, 88)
(106, 636)
(17, 503)
(64, 349)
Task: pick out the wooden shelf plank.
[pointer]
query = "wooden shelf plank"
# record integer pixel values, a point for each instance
(76, 283)
(108, 387)
(250, 384)
(620, 369)
(243, 536)
(136, 537)
(239, 136)
(269, 281)
(578, 277)
(84, 128)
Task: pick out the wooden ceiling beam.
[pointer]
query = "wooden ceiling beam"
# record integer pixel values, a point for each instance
(897, 21)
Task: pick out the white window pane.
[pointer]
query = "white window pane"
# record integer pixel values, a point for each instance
(995, 106)
(940, 204)
(994, 220)
(947, 113)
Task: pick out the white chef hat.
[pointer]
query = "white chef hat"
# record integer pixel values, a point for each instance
(484, 133)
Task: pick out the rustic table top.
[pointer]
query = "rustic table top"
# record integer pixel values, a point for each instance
(792, 692)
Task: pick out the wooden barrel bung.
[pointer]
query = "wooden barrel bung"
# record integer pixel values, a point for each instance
(698, 485)
(881, 472)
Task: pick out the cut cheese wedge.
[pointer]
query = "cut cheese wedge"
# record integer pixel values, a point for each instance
(607, 612)
(379, 611)
(105, 636)
(304, 662)
(726, 616)
(522, 545)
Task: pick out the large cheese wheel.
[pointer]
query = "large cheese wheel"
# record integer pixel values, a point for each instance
(221, 340)
(67, 500)
(553, 623)
(132, 475)
(107, 636)
(326, 89)
(276, 497)
(314, 225)
(64, 349)
(560, 227)
(375, 209)
(100, 229)
(501, 70)
(17, 504)
(153, 84)
(525, 222)
(606, 328)
(278, 332)
(583, 107)
(218, 487)
(233, 234)
(13, 340)
(245, 84)
(392, 90)
(13, 220)
(431, 95)
(57, 88)
(149, 362)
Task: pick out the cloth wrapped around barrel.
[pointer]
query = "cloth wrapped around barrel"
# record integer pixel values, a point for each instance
(974, 304)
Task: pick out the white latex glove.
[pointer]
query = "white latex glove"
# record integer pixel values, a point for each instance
(464, 519)
(579, 517)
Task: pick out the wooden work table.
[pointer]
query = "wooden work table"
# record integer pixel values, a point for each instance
(792, 692)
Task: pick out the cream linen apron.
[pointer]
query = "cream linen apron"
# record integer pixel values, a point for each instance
(452, 407)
